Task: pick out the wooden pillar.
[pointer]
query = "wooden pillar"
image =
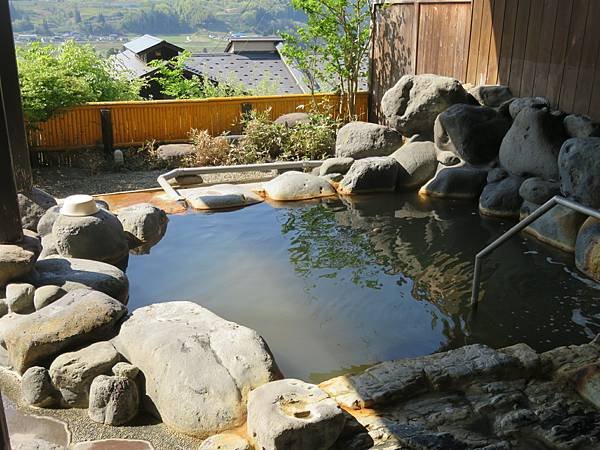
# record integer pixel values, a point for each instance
(107, 131)
(10, 218)
(9, 76)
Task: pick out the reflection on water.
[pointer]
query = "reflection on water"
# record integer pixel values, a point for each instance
(338, 284)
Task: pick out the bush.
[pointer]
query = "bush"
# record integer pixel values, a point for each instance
(264, 140)
(210, 151)
(55, 77)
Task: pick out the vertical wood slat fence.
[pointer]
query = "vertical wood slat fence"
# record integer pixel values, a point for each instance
(169, 120)
(547, 48)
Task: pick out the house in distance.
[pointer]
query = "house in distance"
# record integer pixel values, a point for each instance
(253, 62)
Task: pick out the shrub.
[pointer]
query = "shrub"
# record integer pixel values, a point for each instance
(210, 151)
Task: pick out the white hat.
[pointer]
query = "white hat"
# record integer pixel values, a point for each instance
(79, 205)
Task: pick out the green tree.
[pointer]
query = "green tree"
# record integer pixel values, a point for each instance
(52, 78)
(340, 31)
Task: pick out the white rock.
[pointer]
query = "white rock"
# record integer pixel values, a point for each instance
(291, 186)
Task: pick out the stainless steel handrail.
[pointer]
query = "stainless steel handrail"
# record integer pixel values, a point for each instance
(163, 180)
(554, 201)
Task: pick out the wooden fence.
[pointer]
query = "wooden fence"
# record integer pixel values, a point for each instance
(168, 120)
(549, 48)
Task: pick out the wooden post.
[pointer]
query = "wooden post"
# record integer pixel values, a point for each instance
(10, 218)
(17, 133)
(107, 131)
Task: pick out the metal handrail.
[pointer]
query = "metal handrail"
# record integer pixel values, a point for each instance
(163, 179)
(554, 201)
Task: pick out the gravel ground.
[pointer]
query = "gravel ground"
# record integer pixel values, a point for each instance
(64, 181)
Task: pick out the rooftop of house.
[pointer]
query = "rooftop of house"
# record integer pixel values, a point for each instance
(254, 69)
(145, 43)
(129, 62)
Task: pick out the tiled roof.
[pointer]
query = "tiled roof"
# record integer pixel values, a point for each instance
(128, 61)
(252, 69)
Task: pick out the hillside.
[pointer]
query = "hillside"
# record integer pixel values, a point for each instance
(198, 24)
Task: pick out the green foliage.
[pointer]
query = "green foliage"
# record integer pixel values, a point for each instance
(53, 77)
(264, 139)
(312, 140)
(210, 150)
(333, 46)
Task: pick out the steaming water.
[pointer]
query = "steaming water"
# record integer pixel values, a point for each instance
(335, 285)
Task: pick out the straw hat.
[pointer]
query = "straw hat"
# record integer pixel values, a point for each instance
(79, 205)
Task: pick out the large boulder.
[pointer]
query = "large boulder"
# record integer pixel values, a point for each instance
(292, 414)
(221, 196)
(579, 168)
(113, 400)
(491, 95)
(80, 317)
(539, 191)
(33, 205)
(143, 223)
(290, 120)
(413, 104)
(502, 199)
(225, 441)
(587, 249)
(458, 182)
(199, 368)
(558, 227)
(72, 373)
(519, 104)
(99, 237)
(74, 274)
(578, 126)
(291, 186)
(46, 295)
(19, 297)
(175, 152)
(363, 139)
(17, 260)
(335, 165)
(418, 164)
(377, 174)
(37, 388)
(472, 132)
(531, 146)
(46, 222)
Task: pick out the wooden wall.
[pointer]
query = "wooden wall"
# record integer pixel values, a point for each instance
(549, 48)
(167, 120)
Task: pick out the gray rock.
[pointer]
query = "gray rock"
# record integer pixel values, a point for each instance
(291, 186)
(558, 227)
(292, 119)
(363, 139)
(333, 177)
(113, 400)
(33, 205)
(502, 199)
(74, 274)
(76, 319)
(587, 249)
(497, 174)
(539, 191)
(48, 247)
(37, 388)
(27, 442)
(221, 196)
(336, 165)
(186, 180)
(292, 414)
(72, 373)
(125, 370)
(519, 104)
(47, 220)
(78, 237)
(472, 132)
(491, 95)
(19, 297)
(143, 223)
(46, 295)
(17, 260)
(377, 174)
(458, 182)
(579, 167)
(418, 161)
(578, 126)
(531, 146)
(3, 307)
(413, 104)
(225, 441)
(175, 151)
(448, 158)
(198, 367)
